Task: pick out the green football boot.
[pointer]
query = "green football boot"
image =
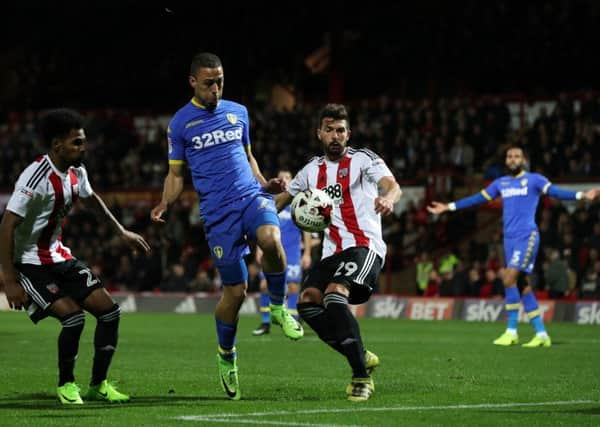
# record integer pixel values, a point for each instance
(68, 394)
(538, 341)
(228, 374)
(106, 392)
(290, 326)
(507, 339)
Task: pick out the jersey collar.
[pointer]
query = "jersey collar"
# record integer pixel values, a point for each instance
(54, 168)
(198, 104)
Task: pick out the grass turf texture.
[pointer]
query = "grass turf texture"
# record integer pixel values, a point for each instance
(431, 373)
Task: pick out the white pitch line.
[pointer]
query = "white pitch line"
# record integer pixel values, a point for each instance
(218, 418)
(214, 419)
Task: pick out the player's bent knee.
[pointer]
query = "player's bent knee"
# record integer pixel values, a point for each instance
(312, 295)
(73, 320)
(63, 307)
(113, 314)
(337, 288)
(268, 237)
(235, 291)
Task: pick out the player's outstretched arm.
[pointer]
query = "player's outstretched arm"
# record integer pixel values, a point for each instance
(466, 202)
(172, 188)
(390, 194)
(134, 240)
(15, 294)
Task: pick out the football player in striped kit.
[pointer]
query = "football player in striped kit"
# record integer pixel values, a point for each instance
(363, 189)
(41, 274)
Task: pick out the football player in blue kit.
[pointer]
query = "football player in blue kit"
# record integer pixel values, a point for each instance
(520, 191)
(211, 136)
(293, 240)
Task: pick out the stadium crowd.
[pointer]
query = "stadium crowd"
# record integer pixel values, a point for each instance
(456, 138)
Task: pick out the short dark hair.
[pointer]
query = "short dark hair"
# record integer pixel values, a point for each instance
(204, 60)
(516, 145)
(58, 123)
(334, 111)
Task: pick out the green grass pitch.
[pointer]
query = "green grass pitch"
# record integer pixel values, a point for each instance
(431, 373)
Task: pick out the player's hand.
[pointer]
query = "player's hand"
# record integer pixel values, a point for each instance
(15, 294)
(591, 194)
(158, 211)
(437, 207)
(383, 206)
(275, 186)
(135, 241)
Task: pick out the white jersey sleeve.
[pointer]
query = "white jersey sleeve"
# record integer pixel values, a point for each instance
(300, 182)
(373, 166)
(23, 195)
(85, 188)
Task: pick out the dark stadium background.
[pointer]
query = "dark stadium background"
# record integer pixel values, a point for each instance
(407, 70)
(137, 54)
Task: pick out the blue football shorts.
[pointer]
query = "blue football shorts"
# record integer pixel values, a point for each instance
(521, 251)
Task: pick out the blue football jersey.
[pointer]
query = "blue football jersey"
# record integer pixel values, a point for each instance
(520, 196)
(213, 144)
(290, 236)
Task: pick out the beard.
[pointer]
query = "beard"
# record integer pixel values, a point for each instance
(77, 162)
(516, 170)
(335, 149)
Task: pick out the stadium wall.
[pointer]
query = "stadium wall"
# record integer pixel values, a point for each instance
(379, 306)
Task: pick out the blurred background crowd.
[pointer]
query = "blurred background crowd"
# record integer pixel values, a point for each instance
(437, 91)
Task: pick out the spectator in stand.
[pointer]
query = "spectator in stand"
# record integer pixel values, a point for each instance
(488, 286)
(475, 280)
(462, 155)
(590, 284)
(433, 285)
(424, 269)
(202, 282)
(175, 281)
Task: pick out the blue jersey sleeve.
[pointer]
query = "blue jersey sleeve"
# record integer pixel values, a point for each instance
(544, 186)
(246, 133)
(491, 191)
(485, 195)
(176, 144)
(563, 194)
(540, 183)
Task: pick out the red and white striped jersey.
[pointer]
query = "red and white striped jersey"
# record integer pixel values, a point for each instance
(351, 182)
(43, 196)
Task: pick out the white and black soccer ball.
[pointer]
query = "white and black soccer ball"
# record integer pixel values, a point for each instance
(312, 210)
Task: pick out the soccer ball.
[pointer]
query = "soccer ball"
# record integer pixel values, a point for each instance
(311, 210)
